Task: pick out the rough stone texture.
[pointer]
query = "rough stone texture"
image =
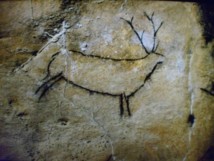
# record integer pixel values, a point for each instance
(71, 123)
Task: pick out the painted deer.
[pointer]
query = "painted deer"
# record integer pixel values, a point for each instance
(110, 78)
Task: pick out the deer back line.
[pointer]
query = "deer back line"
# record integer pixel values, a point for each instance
(112, 59)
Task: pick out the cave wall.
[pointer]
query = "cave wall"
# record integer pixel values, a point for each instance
(115, 82)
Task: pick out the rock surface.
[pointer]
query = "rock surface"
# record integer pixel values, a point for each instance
(93, 67)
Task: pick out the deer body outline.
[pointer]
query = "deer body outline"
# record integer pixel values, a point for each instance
(66, 73)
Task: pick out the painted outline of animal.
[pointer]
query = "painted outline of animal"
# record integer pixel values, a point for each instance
(123, 95)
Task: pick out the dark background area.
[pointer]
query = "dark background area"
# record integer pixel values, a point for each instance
(207, 9)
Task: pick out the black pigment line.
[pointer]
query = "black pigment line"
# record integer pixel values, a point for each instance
(90, 90)
(157, 48)
(113, 59)
(208, 92)
(47, 87)
(136, 33)
(54, 55)
(155, 31)
(158, 54)
(211, 91)
(49, 64)
(46, 82)
(127, 104)
(135, 91)
(148, 76)
(121, 105)
(147, 16)
(122, 97)
(140, 38)
(153, 26)
(155, 34)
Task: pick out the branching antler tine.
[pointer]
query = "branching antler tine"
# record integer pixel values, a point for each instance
(142, 35)
(154, 44)
(143, 45)
(147, 16)
(132, 19)
(159, 54)
(141, 39)
(125, 20)
(156, 47)
(158, 28)
(152, 15)
(136, 33)
(129, 22)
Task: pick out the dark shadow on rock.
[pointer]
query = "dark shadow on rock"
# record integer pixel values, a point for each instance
(209, 155)
(6, 154)
(207, 8)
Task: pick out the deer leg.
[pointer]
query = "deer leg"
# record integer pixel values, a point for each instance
(127, 103)
(48, 84)
(124, 101)
(47, 87)
(121, 105)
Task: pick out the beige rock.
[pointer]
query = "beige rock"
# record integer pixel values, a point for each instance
(80, 120)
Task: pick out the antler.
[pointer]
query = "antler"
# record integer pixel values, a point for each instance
(140, 38)
(137, 34)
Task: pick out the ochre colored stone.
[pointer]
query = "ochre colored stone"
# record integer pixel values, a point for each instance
(93, 69)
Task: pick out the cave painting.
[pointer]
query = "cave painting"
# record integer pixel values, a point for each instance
(67, 72)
